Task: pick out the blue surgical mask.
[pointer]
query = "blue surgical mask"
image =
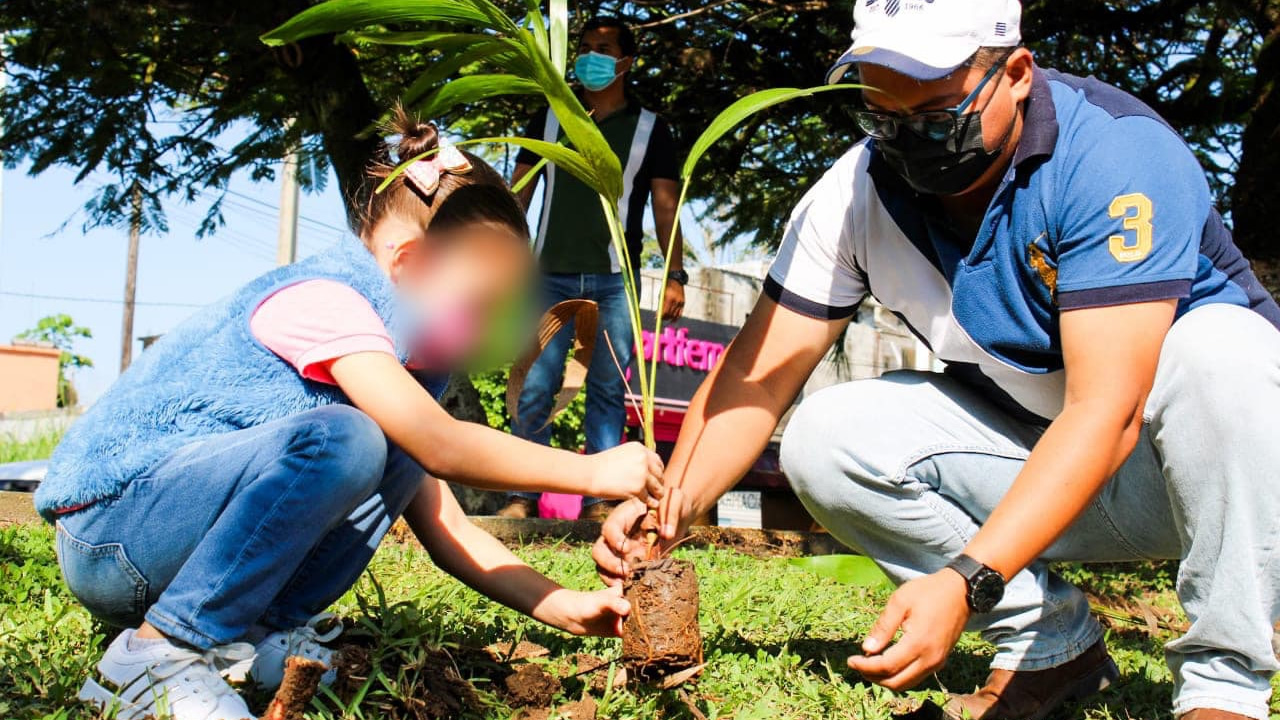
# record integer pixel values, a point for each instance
(596, 71)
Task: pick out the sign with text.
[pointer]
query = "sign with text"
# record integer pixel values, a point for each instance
(687, 350)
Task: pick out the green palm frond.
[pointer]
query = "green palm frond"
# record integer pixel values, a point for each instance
(528, 56)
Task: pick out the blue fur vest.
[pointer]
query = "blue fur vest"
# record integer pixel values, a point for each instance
(208, 376)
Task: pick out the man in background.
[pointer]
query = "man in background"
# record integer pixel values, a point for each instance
(576, 255)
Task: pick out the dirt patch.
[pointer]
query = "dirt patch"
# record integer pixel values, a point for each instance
(301, 678)
(531, 686)
(15, 508)
(430, 688)
(661, 636)
(507, 651)
(594, 672)
(399, 532)
(352, 664)
(536, 533)
(756, 543)
(444, 693)
(584, 709)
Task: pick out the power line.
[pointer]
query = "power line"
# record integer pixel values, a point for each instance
(234, 237)
(275, 210)
(102, 301)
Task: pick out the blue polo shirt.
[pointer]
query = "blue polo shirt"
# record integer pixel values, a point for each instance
(1103, 204)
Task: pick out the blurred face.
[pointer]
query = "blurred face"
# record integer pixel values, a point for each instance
(463, 284)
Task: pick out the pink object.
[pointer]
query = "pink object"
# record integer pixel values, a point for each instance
(425, 174)
(315, 322)
(558, 506)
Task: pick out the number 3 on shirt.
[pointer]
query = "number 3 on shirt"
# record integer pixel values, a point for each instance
(1136, 210)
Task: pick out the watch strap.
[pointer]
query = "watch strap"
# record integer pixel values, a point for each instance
(966, 566)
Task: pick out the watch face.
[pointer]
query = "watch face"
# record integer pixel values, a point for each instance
(985, 590)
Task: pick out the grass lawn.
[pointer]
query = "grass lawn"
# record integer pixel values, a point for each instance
(776, 638)
(36, 447)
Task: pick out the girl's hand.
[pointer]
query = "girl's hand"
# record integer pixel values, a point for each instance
(627, 471)
(585, 613)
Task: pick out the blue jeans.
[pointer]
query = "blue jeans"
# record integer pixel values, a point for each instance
(606, 412)
(908, 467)
(261, 527)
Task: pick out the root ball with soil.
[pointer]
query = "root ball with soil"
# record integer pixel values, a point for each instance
(660, 636)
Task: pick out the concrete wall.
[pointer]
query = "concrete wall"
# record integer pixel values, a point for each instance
(28, 378)
(715, 294)
(876, 342)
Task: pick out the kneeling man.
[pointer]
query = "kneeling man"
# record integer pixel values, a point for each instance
(1112, 377)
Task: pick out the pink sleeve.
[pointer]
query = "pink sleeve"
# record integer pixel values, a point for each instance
(315, 322)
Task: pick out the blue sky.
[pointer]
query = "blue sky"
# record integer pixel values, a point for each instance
(176, 272)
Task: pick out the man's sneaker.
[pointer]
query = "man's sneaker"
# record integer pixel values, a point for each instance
(161, 680)
(1036, 694)
(518, 508)
(598, 511)
(268, 667)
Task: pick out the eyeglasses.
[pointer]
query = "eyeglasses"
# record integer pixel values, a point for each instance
(932, 125)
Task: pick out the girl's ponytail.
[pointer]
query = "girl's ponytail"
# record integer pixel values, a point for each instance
(416, 136)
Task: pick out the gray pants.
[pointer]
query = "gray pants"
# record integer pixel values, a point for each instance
(907, 467)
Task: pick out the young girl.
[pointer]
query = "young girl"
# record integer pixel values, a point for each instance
(238, 478)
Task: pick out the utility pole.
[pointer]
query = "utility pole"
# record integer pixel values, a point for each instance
(4, 79)
(131, 278)
(287, 240)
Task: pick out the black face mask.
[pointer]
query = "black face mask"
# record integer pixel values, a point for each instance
(942, 167)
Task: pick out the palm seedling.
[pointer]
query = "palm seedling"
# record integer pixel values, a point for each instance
(529, 56)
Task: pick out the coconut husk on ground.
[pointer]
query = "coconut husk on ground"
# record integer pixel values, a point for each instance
(660, 636)
(301, 679)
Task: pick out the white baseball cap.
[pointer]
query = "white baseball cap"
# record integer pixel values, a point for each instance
(927, 39)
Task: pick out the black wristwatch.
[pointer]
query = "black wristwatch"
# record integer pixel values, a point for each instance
(679, 276)
(986, 586)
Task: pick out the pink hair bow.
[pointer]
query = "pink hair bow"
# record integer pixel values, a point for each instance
(424, 175)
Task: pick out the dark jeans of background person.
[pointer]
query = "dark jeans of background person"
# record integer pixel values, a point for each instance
(606, 412)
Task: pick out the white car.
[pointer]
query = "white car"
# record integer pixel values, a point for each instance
(23, 476)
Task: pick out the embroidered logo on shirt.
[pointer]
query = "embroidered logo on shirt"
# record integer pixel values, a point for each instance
(1040, 263)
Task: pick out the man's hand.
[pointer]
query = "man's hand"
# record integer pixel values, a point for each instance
(623, 540)
(585, 613)
(673, 301)
(627, 471)
(931, 612)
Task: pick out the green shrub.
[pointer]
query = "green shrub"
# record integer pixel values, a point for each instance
(566, 432)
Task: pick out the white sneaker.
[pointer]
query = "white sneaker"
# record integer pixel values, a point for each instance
(268, 667)
(167, 682)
